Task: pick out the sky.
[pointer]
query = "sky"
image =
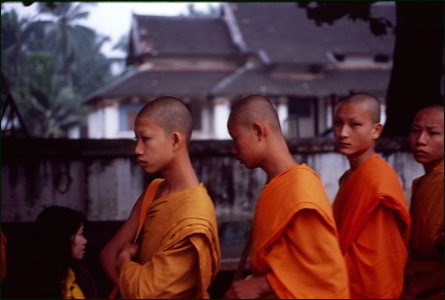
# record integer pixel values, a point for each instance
(113, 19)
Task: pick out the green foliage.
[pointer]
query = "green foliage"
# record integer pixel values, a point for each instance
(52, 66)
(330, 11)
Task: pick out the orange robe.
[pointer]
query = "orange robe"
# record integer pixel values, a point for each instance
(427, 243)
(3, 256)
(374, 226)
(179, 254)
(294, 238)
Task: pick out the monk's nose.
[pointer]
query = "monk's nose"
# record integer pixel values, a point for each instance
(344, 132)
(421, 138)
(138, 149)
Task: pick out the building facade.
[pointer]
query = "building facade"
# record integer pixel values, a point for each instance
(271, 49)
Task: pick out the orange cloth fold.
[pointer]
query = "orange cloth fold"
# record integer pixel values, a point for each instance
(3, 256)
(294, 238)
(179, 254)
(374, 226)
(427, 211)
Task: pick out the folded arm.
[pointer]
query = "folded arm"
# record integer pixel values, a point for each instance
(126, 234)
(173, 273)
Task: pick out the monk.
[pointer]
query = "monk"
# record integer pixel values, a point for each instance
(370, 208)
(425, 272)
(179, 252)
(295, 251)
(3, 256)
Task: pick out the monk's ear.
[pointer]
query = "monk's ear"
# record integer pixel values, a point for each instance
(259, 130)
(177, 139)
(377, 131)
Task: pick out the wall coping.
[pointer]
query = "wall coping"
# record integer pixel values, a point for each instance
(91, 148)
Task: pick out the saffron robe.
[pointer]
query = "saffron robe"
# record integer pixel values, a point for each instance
(3, 256)
(294, 238)
(427, 212)
(179, 254)
(374, 227)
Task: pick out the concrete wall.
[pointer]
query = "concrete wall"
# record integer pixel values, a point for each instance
(102, 179)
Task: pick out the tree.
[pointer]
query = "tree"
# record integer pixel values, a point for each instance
(48, 103)
(418, 53)
(71, 41)
(193, 12)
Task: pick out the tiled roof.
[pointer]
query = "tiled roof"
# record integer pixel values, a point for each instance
(158, 83)
(182, 36)
(338, 82)
(284, 32)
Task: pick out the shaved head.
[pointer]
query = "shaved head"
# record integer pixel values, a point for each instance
(372, 104)
(435, 108)
(169, 113)
(255, 108)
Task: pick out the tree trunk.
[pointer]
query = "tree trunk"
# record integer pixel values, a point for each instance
(418, 64)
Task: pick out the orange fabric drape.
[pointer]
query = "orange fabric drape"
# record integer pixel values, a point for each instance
(3, 256)
(427, 211)
(374, 227)
(294, 238)
(179, 254)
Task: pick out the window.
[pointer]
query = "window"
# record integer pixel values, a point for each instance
(127, 115)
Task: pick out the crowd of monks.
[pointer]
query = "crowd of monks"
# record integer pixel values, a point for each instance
(368, 244)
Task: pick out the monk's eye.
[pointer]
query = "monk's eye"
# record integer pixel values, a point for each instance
(356, 124)
(434, 133)
(414, 130)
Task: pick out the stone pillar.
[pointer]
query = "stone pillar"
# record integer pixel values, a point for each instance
(92, 123)
(111, 120)
(221, 113)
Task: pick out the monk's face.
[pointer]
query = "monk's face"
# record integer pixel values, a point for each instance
(354, 131)
(245, 147)
(153, 146)
(426, 137)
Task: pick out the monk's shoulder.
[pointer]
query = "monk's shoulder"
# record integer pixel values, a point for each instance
(379, 172)
(196, 201)
(303, 185)
(305, 178)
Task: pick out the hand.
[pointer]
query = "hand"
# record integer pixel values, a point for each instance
(128, 253)
(256, 287)
(132, 249)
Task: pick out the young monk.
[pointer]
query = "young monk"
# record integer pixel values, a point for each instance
(370, 208)
(425, 272)
(295, 251)
(179, 254)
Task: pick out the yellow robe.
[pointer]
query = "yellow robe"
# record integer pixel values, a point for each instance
(427, 211)
(374, 226)
(179, 254)
(294, 238)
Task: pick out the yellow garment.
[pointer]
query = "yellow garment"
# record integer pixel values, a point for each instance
(179, 254)
(73, 290)
(427, 211)
(294, 238)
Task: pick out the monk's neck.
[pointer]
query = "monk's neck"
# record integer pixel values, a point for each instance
(431, 166)
(179, 176)
(276, 162)
(355, 161)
